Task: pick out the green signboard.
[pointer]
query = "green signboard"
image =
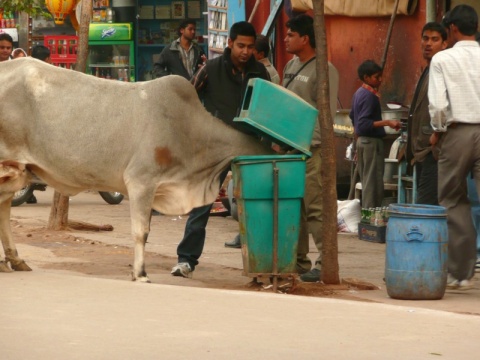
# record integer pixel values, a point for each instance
(110, 32)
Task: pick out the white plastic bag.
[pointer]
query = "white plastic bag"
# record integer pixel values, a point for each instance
(348, 215)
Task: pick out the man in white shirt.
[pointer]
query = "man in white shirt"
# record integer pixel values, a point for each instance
(454, 95)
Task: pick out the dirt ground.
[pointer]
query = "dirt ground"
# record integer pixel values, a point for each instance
(89, 257)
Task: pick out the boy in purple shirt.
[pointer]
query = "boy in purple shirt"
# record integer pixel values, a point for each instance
(366, 115)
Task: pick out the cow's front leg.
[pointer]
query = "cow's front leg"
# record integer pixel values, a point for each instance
(11, 254)
(140, 213)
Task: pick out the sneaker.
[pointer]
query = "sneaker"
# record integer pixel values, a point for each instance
(311, 276)
(32, 200)
(454, 284)
(477, 265)
(182, 269)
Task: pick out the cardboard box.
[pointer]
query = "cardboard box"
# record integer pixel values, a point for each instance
(110, 32)
(371, 232)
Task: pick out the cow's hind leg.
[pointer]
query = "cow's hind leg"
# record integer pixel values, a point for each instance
(140, 212)
(11, 254)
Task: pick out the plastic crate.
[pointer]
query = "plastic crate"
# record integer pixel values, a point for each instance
(371, 232)
(63, 49)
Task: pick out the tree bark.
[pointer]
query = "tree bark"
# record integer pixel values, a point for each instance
(58, 219)
(330, 269)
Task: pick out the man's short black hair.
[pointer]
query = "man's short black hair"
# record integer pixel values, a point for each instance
(303, 25)
(464, 17)
(435, 26)
(7, 37)
(368, 68)
(262, 45)
(242, 28)
(184, 24)
(40, 52)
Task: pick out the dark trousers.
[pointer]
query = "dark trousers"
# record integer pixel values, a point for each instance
(191, 247)
(427, 180)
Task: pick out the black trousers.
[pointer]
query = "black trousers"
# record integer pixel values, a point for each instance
(191, 247)
(427, 180)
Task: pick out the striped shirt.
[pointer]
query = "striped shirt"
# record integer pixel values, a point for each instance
(454, 86)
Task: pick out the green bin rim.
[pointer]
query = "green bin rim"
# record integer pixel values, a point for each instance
(269, 158)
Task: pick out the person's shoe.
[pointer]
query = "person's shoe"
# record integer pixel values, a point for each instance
(300, 270)
(32, 200)
(313, 275)
(182, 269)
(454, 284)
(155, 212)
(477, 265)
(235, 243)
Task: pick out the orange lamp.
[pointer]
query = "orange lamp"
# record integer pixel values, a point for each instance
(60, 9)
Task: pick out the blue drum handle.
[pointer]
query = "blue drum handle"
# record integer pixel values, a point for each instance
(415, 234)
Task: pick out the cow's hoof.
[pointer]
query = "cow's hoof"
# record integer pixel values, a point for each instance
(143, 279)
(4, 267)
(20, 266)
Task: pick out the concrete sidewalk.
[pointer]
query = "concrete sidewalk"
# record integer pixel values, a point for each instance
(56, 316)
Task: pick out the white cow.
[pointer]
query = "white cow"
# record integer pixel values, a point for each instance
(153, 141)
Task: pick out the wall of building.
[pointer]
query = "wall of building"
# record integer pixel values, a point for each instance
(352, 40)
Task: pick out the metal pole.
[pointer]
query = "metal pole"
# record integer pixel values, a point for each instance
(431, 13)
(389, 34)
(275, 227)
(254, 10)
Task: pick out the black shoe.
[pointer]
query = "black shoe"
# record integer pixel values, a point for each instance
(32, 200)
(235, 243)
(155, 213)
(313, 275)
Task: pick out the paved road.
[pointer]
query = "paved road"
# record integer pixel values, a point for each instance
(52, 315)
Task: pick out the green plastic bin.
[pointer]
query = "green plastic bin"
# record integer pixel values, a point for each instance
(254, 181)
(276, 113)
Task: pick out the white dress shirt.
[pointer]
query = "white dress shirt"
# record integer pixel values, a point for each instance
(454, 86)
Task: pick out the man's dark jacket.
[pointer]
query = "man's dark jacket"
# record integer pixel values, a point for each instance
(171, 63)
(223, 96)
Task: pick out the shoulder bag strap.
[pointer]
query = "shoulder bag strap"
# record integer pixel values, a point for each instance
(298, 72)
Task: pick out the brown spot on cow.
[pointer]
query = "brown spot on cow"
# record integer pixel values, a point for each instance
(163, 156)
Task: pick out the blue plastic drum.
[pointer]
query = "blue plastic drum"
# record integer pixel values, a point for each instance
(417, 252)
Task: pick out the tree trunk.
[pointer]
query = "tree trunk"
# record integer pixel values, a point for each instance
(330, 270)
(82, 52)
(58, 219)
